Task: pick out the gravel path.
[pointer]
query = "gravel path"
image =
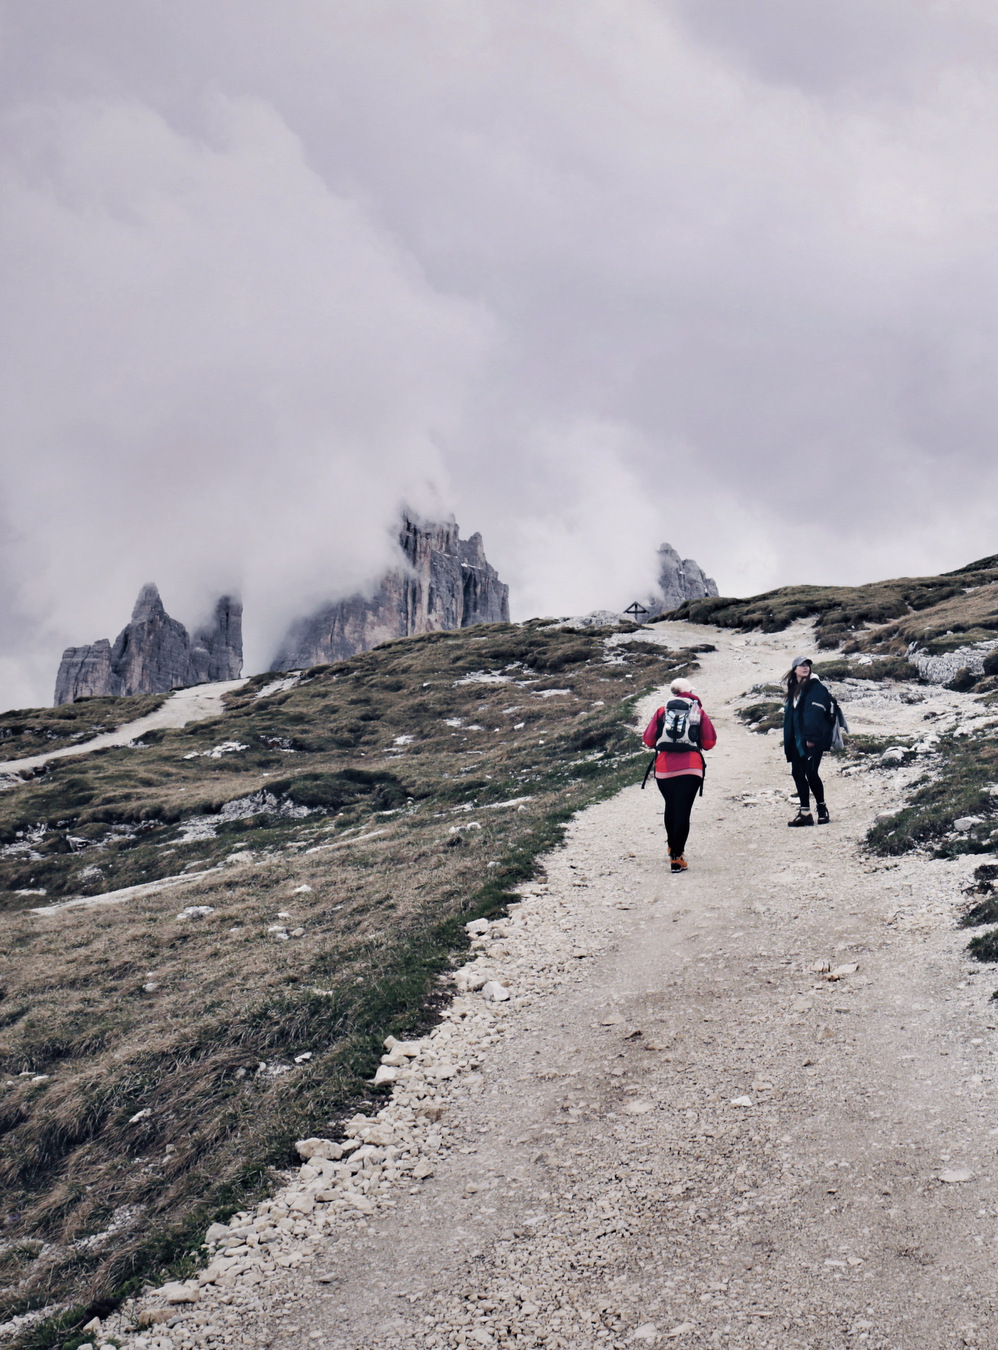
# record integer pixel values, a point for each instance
(183, 706)
(750, 1106)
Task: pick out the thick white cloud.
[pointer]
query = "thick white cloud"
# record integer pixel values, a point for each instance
(591, 275)
(222, 374)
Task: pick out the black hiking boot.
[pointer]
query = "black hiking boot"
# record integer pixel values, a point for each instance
(801, 818)
(823, 817)
(678, 863)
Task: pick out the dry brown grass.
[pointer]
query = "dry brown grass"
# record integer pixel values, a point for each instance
(31, 731)
(968, 617)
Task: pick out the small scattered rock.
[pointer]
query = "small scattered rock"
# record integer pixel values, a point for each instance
(954, 1175)
(175, 1292)
(841, 971)
(495, 992)
(647, 1334)
(741, 1101)
(468, 980)
(314, 1148)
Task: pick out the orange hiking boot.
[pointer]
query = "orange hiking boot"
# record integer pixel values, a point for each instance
(679, 864)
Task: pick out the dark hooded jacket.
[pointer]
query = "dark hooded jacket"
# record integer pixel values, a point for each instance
(811, 719)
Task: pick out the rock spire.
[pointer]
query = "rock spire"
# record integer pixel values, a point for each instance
(679, 579)
(441, 581)
(154, 653)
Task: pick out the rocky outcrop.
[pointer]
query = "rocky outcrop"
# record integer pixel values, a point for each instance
(679, 579)
(940, 669)
(441, 581)
(155, 653)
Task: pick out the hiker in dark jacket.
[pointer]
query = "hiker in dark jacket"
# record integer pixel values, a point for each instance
(808, 722)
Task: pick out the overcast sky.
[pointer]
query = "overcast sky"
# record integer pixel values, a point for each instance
(589, 274)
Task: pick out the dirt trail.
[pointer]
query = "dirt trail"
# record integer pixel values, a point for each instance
(676, 1130)
(185, 705)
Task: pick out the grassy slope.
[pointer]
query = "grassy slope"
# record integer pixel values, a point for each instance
(32, 731)
(907, 609)
(126, 1009)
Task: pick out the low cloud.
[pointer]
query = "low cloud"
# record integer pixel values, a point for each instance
(590, 276)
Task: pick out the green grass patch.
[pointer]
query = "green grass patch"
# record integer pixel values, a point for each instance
(895, 668)
(762, 717)
(958, 787)
(984, 947)
(985, 911)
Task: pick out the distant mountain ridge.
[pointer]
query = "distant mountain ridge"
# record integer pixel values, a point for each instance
(439, 582)
(442, 582)
(154, 653)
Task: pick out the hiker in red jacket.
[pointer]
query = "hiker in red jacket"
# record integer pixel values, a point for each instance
(679, 772)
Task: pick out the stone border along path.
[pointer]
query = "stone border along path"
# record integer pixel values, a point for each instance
(184, 705)
(751, 1106)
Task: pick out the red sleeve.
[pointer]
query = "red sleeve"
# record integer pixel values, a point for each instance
(652, 730)
(708, 736)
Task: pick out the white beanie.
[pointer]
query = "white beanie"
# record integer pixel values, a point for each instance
(681, 687)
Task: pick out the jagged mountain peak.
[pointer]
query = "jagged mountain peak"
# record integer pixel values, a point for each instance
(442, 582)
(149, 604)
(154, 653)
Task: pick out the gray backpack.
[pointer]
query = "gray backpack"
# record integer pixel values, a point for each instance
(680, 725)
(839, 725)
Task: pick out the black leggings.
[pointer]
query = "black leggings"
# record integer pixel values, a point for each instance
(680, 793)
(805, 772)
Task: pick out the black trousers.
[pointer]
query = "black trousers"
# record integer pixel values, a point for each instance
(680, 793)
(805, 772)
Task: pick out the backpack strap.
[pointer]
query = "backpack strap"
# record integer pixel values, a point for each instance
(651, 765)
(704, 777)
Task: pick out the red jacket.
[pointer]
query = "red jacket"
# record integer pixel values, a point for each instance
(671, 763)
